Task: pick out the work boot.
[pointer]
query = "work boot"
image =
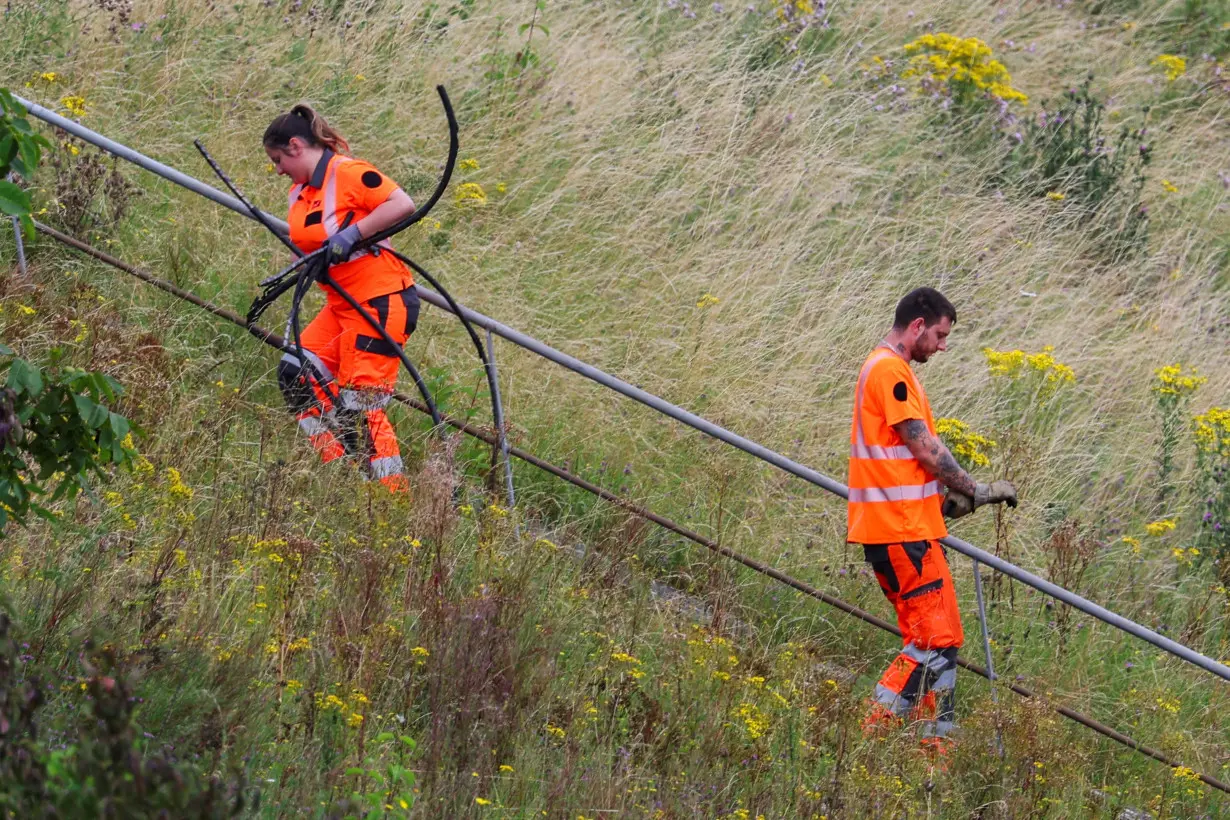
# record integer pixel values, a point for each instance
(937, 750)
(397, 484)
(879, 721)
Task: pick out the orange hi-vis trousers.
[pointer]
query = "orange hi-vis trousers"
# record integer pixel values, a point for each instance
(921, 681)
(339, 398)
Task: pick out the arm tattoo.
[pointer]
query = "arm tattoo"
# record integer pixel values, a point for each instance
(913, 430)
(950, 474)
(934, 456)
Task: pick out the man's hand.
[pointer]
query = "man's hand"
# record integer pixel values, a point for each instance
(956, 505)
(997, 492)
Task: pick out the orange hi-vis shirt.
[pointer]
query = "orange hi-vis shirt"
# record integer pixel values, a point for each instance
(341, 186)
(893, 499)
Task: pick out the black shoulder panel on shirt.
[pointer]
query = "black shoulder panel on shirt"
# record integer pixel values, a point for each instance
(314, 218)
(900, 393)
(372, 179)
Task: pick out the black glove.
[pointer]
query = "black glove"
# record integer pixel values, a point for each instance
(956, 504)
(342, 243)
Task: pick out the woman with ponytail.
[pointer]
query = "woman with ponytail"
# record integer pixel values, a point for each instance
(336, 201)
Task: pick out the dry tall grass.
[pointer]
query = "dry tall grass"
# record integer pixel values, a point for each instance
(650, 157)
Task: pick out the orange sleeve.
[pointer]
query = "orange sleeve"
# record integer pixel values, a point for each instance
(366, 187)
(890, 386)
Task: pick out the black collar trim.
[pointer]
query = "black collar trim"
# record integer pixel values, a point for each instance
(318, 175)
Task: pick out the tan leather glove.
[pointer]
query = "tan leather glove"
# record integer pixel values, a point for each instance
(958, 505)
(997, 492)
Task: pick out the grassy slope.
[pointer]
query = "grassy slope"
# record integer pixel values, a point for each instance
(648, 159)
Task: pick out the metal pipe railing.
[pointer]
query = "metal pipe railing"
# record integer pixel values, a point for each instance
(666, 408)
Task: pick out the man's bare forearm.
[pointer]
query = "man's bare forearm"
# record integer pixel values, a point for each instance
(935, 457)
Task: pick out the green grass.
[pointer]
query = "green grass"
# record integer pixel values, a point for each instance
(648, 159)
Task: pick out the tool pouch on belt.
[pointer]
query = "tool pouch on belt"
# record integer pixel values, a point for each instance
(917, 582)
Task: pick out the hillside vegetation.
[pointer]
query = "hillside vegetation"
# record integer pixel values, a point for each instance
(720, 203)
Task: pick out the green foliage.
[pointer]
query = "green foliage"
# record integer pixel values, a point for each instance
(1205, 27)
(20, 150)
(380, 784)
(1212, 434)
(1172, 392)
(56, 429)
(1065, 154)
(102, 771)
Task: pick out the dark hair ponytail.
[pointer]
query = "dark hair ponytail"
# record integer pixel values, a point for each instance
(303, 122)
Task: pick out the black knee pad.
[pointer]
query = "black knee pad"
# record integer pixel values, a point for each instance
(348, 422)
(294, 386)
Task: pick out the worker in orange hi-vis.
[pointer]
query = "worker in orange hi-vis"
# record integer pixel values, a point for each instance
(336, 201)
(898, 467)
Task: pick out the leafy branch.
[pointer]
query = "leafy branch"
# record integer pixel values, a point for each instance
(20, 151)
(56, 429)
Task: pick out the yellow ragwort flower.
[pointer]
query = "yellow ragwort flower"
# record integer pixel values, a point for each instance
(1174, 65)
(1172, 382)
(470, 195)
(963, 442)
(1160, 527)
(1212, 431)
(75, 105)
(956, 62)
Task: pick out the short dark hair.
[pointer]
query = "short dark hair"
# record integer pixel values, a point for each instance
(925, 303)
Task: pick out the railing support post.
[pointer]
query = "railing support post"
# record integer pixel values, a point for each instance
(501, 434)
(21, 247)
(986, 646)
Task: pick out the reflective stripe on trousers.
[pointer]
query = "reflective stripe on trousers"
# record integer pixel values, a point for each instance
(369, 399)
(921, 684)
(385, 467)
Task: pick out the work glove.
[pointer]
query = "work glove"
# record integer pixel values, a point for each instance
(342, 243)
(958, 504)
(997, 492)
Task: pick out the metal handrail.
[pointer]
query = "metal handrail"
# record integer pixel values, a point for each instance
(666, 408)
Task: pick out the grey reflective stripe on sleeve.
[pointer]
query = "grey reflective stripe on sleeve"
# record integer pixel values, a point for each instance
(937, 728)
(887, 697)
(386, 467)
(364, 399)
(323, 371)
(859, 448)
(907, 492)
